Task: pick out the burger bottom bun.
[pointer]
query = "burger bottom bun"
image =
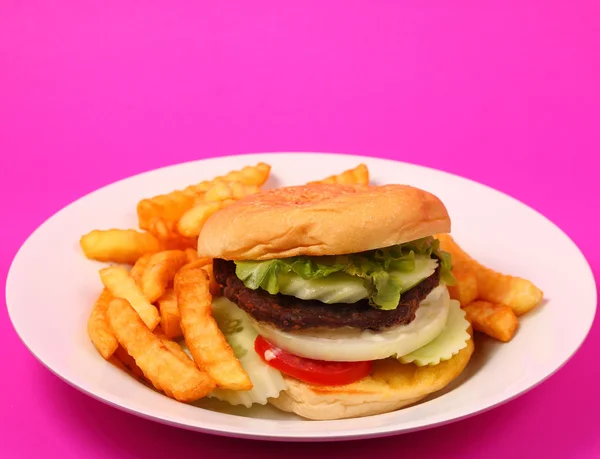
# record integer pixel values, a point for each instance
(336, 409)
(390, 386)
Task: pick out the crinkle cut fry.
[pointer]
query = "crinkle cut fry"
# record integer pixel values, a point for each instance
(206, 342)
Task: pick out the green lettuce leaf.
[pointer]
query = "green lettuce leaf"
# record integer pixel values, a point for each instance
(385, 272)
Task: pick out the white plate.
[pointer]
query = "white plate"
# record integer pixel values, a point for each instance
(51, 288)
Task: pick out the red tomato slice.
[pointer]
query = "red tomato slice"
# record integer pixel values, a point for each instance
(311, 371)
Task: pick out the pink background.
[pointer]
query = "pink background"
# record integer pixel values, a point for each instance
(506, 95)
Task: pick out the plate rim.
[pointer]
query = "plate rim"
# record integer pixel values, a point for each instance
(356, 433)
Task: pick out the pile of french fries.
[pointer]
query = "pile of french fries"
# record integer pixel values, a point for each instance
(164, 298)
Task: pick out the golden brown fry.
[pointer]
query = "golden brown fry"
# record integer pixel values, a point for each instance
(193, 220)
(178, 351)
(170, 319)
(214, 288)
(121, 285)
(495, 320)
(249, 175)
(165, 370)
(465, 290)
(206, 342)
(222, 190)
(167, 207)
(191, 254)
(99, 329)
(118, 246)
(160, 272)
(519, 294)
(137, 271)
(163, 229)
(124, 361)
(170, 239)
(357, 176)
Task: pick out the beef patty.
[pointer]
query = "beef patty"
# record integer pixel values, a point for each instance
(291, 313)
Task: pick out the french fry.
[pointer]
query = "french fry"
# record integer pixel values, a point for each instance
(124, 361)
(167, 207)
(99, 329)
(222, 190)
(519, 294)
(465, 290)
(178, 351)
(160, 272)
(206, 342)
(357, 176)
(193, 220)
(180, 243)
(170, 239)
(165, 370)
(214, 288)
(495, 320)
(137, 271)
(121, 285)
(170, 319)
(249, 175)
(118, 246)
(191, 254)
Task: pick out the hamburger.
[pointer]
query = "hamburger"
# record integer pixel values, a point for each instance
(346, 288)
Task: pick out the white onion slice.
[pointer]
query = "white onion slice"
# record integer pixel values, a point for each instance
(353, 345)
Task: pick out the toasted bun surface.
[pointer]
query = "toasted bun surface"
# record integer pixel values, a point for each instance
(321, 220)
(390, 386)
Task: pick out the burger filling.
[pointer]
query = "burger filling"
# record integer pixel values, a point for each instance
(381, 276)
(324, 319)
(290, 313)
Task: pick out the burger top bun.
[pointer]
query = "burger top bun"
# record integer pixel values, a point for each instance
(391, 386)
(319, 220)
